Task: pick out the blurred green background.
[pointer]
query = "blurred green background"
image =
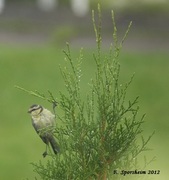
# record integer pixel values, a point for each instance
(31, 43)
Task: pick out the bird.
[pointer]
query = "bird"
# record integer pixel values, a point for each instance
(43, 122)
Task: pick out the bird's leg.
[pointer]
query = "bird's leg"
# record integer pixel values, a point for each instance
(54, 106)
(45, 153)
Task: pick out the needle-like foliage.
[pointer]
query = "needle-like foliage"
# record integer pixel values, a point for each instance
(99, 135)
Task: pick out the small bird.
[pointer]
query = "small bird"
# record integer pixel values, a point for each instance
(44, 123)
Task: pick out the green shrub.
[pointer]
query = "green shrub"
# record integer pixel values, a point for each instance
(99, 136)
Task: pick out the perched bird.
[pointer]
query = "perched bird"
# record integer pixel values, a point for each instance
(44, 123)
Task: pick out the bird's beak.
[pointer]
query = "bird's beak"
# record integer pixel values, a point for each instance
(29, 111)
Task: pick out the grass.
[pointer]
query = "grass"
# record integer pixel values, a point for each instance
(38, 68)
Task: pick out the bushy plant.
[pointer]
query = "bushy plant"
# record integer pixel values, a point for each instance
(98, 135)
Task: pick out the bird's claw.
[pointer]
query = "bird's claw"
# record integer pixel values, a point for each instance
(45, 154)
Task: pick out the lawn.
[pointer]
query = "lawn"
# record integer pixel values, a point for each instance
(37, 68)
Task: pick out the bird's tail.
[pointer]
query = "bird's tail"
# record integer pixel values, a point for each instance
(54, 145)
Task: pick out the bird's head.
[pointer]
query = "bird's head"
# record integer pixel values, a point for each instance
(35, 110)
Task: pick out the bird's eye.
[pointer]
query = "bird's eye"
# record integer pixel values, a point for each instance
(35, 107)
